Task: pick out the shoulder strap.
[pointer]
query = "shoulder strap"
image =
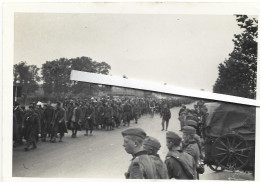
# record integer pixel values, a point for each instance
(186, 161)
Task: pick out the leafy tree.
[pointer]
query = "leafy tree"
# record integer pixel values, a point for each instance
(237, 75)
(26, 76)
(56, 75)
(88, 65)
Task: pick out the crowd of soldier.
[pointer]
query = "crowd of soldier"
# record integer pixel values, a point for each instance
(181, 162)
(76, 114)
(185, 155)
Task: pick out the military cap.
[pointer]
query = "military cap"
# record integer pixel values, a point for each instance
(188, 130)
(135, 132)
(191, 122)
(172, 135)
(151, 141)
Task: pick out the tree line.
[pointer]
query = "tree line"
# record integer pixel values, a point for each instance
(237, 74)
(55, 76)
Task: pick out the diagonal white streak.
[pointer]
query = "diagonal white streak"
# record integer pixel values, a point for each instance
(135, 84)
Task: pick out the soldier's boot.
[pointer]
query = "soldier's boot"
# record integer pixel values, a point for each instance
(90, 133)
(167, 123)
(162, 126)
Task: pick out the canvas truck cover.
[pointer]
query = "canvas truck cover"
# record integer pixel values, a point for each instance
(224, 118)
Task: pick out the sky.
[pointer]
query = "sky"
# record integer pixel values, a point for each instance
(180, 50)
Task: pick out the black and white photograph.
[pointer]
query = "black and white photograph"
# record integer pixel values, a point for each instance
(67, 128)
(116, 129)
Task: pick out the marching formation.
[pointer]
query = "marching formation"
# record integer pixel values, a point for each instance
(185, 155)
(49, 120)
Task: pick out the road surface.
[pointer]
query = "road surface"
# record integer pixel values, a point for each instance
(98, 156)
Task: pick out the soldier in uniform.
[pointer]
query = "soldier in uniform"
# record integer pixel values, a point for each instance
(74, 120)
(58, 123)
(17, 125)
(32, 126)
(152, 146)
(196, 137)
(83, 107)
(141, 166)
(180, 165)
(190, 145)
(47, 119)
(136, 111)
(182, 114)
(108, 116)
(166, 116)
(89, 118)
(127, 113)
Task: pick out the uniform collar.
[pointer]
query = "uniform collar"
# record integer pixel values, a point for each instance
(139, 153)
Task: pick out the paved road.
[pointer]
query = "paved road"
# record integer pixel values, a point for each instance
(97, 156)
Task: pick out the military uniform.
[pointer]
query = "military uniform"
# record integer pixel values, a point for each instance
(59, 125)
(152, 145)
(141, 167)
(17, 125)
(32, 128)
(180, 164)
(108, 117)
(74, 121)
(127, 113)
(166, 115)
(89, 119)
(47, 118)
(191, 146)
(180, 167)
(136, 111)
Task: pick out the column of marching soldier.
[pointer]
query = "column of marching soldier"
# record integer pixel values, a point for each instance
(99, 113)
(39, 122)
(183, 160)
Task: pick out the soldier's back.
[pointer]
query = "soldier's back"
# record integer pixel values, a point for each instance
(160, 168)
(141, 167)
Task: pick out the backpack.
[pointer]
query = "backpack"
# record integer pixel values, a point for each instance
(186, 161)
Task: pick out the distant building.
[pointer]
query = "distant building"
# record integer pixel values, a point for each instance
(119, 91)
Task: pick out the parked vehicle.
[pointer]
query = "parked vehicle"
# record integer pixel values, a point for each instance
(229, 137)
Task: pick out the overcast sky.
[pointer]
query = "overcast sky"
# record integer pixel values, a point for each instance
(180, 50)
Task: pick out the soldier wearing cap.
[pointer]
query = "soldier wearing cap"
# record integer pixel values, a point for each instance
(180, 165)
(58, 123)
(196, 137)
(31, 123)
(189, 144)
(17, 124)
(166, 116)
(47, 118)
(141, 166)
(89, 117)
(74, 120)
(152, 146)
